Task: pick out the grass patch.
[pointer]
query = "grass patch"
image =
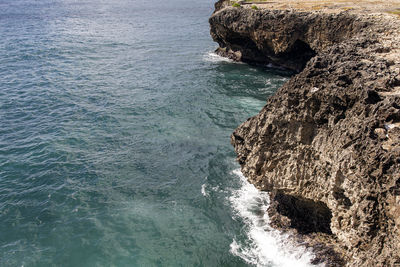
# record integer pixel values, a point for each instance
(347, 8)
(316, 7)
(395, 12)
(254, 7)
(236, 5)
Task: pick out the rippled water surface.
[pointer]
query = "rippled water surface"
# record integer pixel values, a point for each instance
(114, 137)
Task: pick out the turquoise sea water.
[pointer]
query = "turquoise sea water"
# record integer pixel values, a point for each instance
(115, 120)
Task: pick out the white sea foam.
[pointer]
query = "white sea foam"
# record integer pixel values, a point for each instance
(203, 190)
(251, 103)
(213, 57)
(206, 189)
(265, 246)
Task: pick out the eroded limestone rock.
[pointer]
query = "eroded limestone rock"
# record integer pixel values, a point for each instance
(327, 144)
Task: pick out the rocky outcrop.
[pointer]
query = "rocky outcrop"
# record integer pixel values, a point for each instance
(284, 38)
(327, 144)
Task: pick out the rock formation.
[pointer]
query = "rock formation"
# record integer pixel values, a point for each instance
(327, 144)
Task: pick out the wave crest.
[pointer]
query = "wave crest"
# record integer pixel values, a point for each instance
(264, 246)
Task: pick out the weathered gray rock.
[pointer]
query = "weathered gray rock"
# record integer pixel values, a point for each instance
(327, 144)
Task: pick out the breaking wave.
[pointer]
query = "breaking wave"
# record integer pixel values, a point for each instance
(264, 246)
(213, 57)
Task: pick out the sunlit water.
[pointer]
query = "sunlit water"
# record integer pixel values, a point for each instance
(115, 120)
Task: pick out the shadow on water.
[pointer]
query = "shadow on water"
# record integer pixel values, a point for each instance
(252, 81)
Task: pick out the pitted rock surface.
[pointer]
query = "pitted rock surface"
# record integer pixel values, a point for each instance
(327, 144)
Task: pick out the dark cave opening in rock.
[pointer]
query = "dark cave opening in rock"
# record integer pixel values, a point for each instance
(248, 48)
(306, 215)
(295, 58)
(299, 54)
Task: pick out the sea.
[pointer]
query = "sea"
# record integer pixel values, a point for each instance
(115, 124)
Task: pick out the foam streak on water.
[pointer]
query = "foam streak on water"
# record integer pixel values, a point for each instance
(213, 57)
(265, 246)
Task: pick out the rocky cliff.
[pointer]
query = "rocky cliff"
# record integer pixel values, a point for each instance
(327, 144)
